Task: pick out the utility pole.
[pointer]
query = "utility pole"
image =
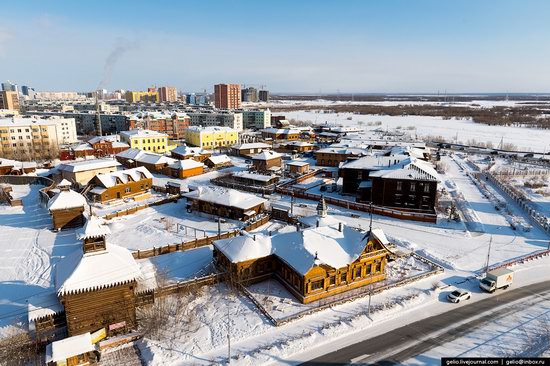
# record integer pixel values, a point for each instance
(488, 254)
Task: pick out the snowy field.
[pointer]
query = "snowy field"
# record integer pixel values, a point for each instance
(463, 129)
(29, 250)
(169, 223)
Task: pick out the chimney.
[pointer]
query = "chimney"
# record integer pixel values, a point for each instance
(340, 227)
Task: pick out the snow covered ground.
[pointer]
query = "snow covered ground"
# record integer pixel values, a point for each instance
(462, 129)
(169, 223)
(29, 249)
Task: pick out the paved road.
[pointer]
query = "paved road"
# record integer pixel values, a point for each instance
(401, 344)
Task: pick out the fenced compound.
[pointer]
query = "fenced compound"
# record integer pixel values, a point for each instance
(343, 297)
(27, 180)
(411, 214)
(198, 242)
(134, 209)
(522, 201)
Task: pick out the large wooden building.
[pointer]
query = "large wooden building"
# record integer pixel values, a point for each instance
(184, 152)
(160, 163)
(248, 149)
(225, 202)
(397, 181)
(67, 207)
(333, 156)
(96, 286)
(81, 172)
(313, 263)
(135, 183)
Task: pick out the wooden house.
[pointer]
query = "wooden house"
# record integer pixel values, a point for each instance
(185, 168)
(81, 172)
(249, 149)
(184, 152)
(133, 183)
(254, 179)
(13, 167)
(67, 207)
(96, 286)
(154, 162)
(100, 146)
(312, 264)
(298, 167)
(297, 147)
(72, 351)
(225, 202)
(397, 181)
(266, 161)
(281, 133)
(218, 162)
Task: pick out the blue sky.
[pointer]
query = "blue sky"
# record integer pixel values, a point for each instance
(290, 46)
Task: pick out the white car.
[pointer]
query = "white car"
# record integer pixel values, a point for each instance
(458, 295)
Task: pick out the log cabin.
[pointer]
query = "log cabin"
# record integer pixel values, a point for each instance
(249, 149)
(314, 263)
(67, 207)
(185, 168)
(297, 147)
(225, 202)
(298, 167)
(133, 183)
(218, 162)
(266, 161)
(96, 285)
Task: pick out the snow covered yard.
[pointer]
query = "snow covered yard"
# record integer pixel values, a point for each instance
(29, 250)
(120, 205)
(165, 224)
(281, 304)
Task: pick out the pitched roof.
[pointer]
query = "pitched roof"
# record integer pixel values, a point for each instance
(142, 133)
(226, 197)
(251, 145)
(66, 200)
(186, 164)
(95, 270)
(69, 347)
(185, 150)
(266, 155)
(108, 180)
(85, 165)
(95, 228)
(219, 159)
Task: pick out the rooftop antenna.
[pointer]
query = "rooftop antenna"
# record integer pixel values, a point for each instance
(98, 115)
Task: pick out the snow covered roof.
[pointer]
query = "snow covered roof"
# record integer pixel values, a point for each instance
(245, 247)
(254, 176)
(142, 133)
(65, 200)
(252, 145)
(343, 150)
(43, 304)
(69, 347)
(377, 162)
(298, 143)
(131, 153)
(311, 221)
(219, 159)
(95, 227)
(209, 129)
(226, 197)
(95, 270)
(83, 147)
(18, 164)
(64, 183)
(146, 157)
(302, 250)
(414, 169)
(85, 165)
(285, 131)
(266, 155)
(185, 150)
(297, 163)
(112, 138)
(186, 164)
(108, 180)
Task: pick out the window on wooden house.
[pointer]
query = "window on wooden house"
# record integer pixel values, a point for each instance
(426, 188)
(413, 187)
(369, 269)
(399, 186)
(378, 266)
(332, 280)
(317, 285)
(357, 272)
(127, 189)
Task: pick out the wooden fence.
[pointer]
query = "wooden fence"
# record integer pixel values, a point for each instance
(197, 242)
(148, 296)
(134, 209)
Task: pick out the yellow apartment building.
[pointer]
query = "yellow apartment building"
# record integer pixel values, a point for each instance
(146, 140)
(211, 137)
(142, 96)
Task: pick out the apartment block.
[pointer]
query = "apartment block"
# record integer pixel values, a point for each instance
(33, 138)
(9, 100)
(168, 94)
(211, 137)
(233, 120)
(141, 96)
(227, 96)
(256, 119)
(146, 140)
(172, 124)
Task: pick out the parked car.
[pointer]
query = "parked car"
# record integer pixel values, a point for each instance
(459, 295)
